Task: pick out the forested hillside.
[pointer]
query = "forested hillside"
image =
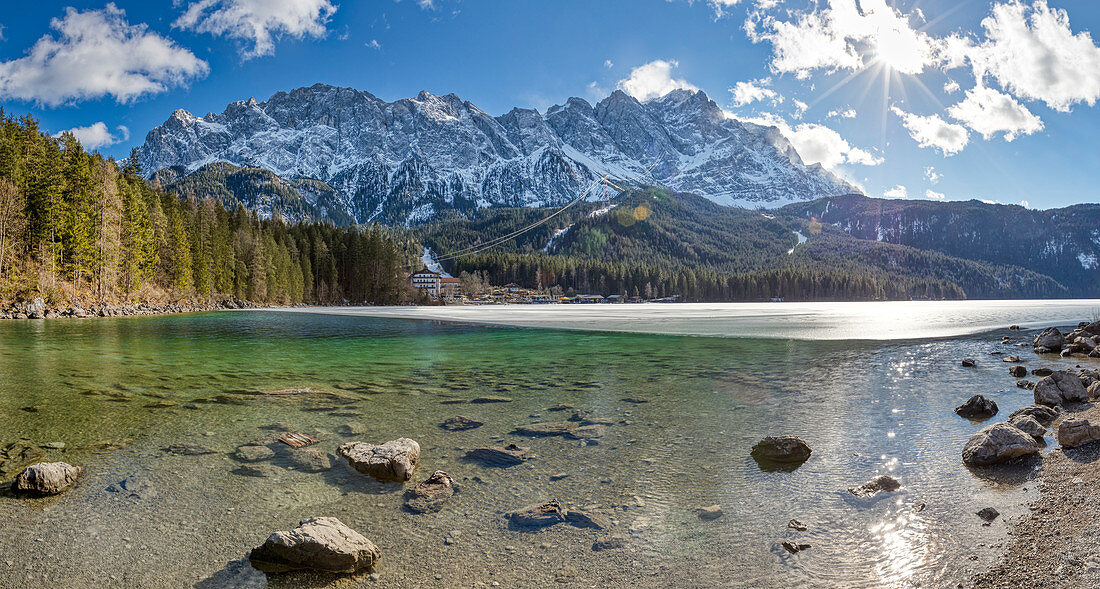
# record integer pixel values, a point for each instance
(77, 227)
(654, 242)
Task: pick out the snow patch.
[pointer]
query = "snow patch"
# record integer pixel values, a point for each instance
(1088, 261)
(801, 240)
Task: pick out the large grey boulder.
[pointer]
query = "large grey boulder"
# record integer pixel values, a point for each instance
(430, 494)
(1059, 388)
(998, 443)
(46, 478)
(1093, 328)
(1050, 338)
(393, 461)
(319, 543)
(1075, 431)
(1043, 414)
(781, 449)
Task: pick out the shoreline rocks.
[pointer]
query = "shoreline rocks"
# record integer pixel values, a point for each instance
(46, 478)
(319, 543)
(1076, 431)
(1059, 388)
(393, 461)
(996, 444)
(37, 309)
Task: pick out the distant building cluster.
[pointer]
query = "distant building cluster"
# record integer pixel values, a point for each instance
(447, 289)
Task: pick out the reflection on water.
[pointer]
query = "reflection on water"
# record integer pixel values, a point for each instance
(683, 412)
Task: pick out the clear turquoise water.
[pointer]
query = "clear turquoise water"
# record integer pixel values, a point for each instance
(865, 407)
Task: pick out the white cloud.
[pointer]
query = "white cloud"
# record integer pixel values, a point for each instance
(951, 87)
(1033, 53)
(897, 191)
(97, 135)
(1025, 204)
(97, 53)
(817, 143)
(933, 195)
(653, 80)
(989, 112)
(842, 114)
(932, 175)
(607, 64)
(259, 22)
(374, 44)
(799, 108)
(846, 35)
(933, 131)
(752, 91)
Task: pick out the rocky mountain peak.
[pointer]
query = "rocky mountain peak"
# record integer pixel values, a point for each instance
(404, 161)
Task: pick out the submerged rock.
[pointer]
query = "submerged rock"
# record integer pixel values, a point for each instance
(535, 430)
(134, 486)
(393, 461)
(239, 574)
(17, 455)
(538, 516)
(251, 453)
(1075, 431)
(460, 423)
(881, 483)
(977, 407)
(429, 495)
(588, 432)
(710, 512)
(587, 519)
(320, 543)
(189, 450)
(609, 542)
(996, 444)
(482, 400)
(46, 478)
(1059, 388)
(988, 514)
(788, 449)
(309, 459)
(500, 456)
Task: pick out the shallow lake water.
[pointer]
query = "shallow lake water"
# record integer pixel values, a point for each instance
(117, 392)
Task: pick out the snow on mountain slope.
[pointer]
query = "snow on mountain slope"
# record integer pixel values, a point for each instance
(404, 161)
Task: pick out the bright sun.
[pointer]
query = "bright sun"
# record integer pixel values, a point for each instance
(899, 49)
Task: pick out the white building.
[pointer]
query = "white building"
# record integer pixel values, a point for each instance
(427, 281)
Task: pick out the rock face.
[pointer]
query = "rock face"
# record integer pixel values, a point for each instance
(429, 495)
(1029, 425)
(393, 461)
(996, 444)
(881, 483)
(499, 456)
(785, 449)
(1059, 388)
(977, 407)
(460, 423)
(1043, 414)
(46, 478)
(320, 543)
(405, 161)
(1074, 431)
(1050, 338)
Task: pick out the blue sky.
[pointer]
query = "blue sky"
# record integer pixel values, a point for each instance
(923, 98)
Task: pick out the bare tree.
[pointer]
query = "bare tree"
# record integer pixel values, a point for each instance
(12, 222)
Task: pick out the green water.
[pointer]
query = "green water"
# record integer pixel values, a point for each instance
(117, 392)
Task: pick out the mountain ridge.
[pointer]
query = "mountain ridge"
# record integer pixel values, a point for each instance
(402, 162)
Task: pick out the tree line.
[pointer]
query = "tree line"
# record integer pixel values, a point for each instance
(76, 226)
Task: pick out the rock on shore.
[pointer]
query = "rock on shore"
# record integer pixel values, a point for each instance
(1076, 431)
(320, 543)
(46, 478)
(1059, 388)
(996, 444)
(393, 461)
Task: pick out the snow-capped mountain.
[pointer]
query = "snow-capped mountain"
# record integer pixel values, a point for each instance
(404, 161)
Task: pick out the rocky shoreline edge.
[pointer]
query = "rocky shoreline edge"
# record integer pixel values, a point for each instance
(37, 309)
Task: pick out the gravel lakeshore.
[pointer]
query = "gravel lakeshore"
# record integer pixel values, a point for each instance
(1058, 544)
